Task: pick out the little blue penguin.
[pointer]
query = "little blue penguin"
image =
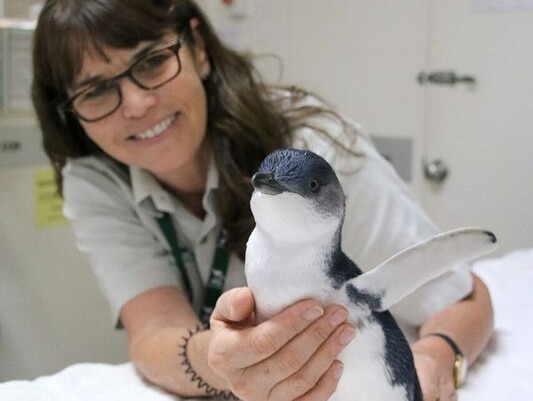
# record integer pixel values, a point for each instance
(294, 253)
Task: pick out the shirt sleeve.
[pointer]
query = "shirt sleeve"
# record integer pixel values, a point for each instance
(382, 218)
(126, 257)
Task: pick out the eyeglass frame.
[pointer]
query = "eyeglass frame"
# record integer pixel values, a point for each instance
(68, 105)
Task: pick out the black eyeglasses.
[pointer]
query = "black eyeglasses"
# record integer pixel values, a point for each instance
(152, 71)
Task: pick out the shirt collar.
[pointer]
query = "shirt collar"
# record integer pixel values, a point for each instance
(146, 188)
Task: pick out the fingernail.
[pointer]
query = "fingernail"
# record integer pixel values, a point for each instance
(313, 313)
(337, 370)
(338, 317)
(240, 297)
(347, 335)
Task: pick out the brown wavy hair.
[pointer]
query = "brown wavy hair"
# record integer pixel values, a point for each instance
(246, 122)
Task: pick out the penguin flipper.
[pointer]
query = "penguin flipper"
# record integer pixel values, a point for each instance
(414, 266)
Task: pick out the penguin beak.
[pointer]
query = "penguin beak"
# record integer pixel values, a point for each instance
(267, 184)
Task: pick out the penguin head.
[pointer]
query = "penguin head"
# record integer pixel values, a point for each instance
(297, 190)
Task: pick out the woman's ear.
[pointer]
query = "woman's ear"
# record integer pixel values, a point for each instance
(201, 57)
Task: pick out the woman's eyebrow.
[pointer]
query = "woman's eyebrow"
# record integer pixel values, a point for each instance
(145, 51)
(88, 82)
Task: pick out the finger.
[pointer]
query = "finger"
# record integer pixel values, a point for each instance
(429, 385)
(270, 336)
(290, 358)
(311, 372)
(448, 392)
(327, 384)
(242, 305)
(235, 305)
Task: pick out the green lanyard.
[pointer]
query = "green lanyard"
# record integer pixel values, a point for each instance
(184, 256)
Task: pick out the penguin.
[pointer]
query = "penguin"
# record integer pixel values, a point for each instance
(294, 252)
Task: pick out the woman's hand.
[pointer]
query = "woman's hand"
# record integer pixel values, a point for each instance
(291, 356)
(435, 373)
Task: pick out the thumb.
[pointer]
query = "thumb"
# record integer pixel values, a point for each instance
(233, 306)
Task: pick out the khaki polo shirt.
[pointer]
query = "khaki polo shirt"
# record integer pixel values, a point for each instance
(113, 211)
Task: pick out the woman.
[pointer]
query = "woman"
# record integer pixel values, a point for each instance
(154, 129)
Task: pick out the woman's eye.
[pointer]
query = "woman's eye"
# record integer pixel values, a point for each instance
(98, 91)
(153, 62)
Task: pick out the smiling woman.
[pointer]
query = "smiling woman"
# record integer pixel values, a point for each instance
(154, 129)
(153, 114)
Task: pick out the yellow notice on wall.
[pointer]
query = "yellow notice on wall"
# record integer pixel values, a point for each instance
(48, 203)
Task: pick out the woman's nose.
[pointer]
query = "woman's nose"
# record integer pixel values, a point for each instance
(136, 101)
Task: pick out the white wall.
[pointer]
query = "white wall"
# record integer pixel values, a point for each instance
(362, 56)
(51, 311)
(18, 8)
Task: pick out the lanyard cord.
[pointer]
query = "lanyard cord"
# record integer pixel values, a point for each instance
(219, 267)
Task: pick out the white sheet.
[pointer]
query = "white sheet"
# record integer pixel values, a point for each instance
(504, 371)
(86, 382)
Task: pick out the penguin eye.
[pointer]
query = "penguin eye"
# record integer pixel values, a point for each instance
(313, 185)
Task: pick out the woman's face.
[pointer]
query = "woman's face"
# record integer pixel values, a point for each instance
(161, 130)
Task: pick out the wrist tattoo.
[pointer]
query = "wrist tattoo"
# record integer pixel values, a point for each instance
(195, 377)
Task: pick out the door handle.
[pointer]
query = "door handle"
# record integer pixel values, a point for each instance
(445, 77)
(436, 170)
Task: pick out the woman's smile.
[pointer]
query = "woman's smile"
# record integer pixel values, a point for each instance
(156, 130)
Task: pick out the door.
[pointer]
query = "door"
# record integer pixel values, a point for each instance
(482, 132)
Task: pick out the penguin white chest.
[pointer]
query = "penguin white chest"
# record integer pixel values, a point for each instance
(287, 253)
(365, 377)
(280, 276)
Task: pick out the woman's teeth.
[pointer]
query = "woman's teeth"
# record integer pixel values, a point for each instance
(155, 130)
